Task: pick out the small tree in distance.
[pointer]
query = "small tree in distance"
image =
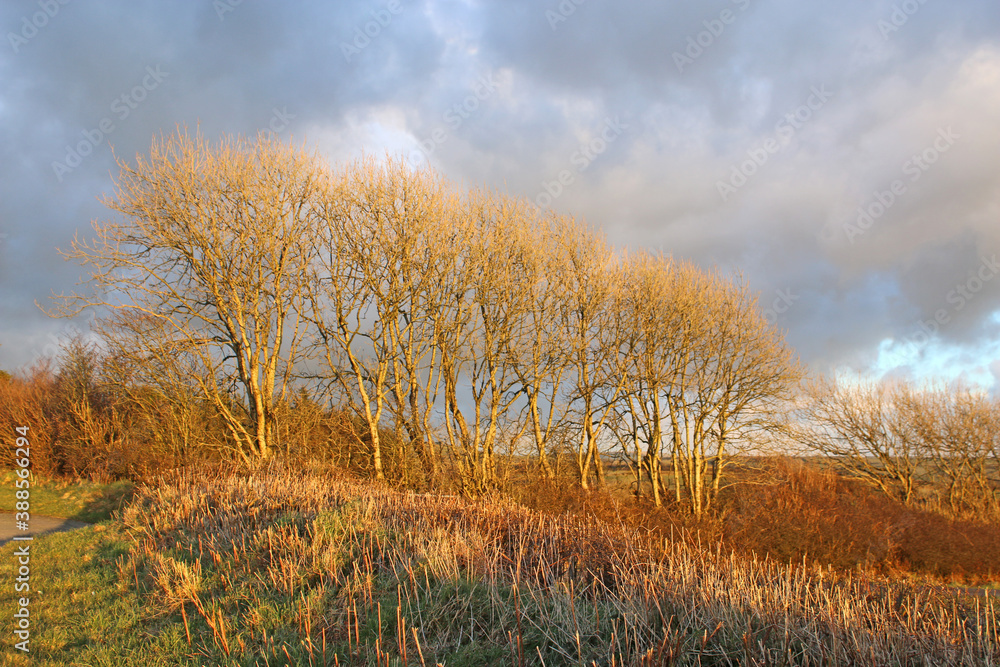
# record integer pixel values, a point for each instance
(916, 444)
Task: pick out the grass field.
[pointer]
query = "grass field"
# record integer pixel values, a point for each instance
(290, 569)
(82, 611)
(80, 500)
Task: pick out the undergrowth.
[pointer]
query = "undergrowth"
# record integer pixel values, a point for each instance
(278, 567)
(789, 512)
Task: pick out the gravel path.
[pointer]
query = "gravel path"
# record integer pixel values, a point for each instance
(37, 524)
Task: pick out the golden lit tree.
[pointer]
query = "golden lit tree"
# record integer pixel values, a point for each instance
(374, 294)
(213, 244)
(705, 374)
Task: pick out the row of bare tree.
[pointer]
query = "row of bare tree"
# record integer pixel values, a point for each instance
(464, 323)
(443, 330)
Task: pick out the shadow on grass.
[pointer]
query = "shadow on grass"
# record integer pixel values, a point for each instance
(107, 500)
(80, 500)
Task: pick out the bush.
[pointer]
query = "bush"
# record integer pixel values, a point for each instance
(791, 511)
(808, 512)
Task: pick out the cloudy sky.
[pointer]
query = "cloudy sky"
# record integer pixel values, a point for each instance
(845, 157)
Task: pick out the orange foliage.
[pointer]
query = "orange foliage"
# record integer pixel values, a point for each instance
(793, 511)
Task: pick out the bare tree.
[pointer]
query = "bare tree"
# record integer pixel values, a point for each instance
(539, 343)
(957, 430)
(649, 307)
(477, 328)
(744, 382)
(705, 372)
(384, 244)
(591, 332)
(158, 382)
(214, 242)
(861, 425)
(898, 436)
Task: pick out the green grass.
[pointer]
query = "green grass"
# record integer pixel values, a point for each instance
(82, 611)
(81, 500)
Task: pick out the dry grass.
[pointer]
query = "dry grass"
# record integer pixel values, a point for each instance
(278, 567)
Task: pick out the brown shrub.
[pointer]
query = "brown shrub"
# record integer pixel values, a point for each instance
(789, 511)
(27, 400)
(807, 512)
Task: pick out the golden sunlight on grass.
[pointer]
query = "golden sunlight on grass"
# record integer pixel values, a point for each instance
(282, 564)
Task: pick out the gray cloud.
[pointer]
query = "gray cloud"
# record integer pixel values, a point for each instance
(513, 93)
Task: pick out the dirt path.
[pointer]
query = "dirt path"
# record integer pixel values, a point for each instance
(38, 525)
